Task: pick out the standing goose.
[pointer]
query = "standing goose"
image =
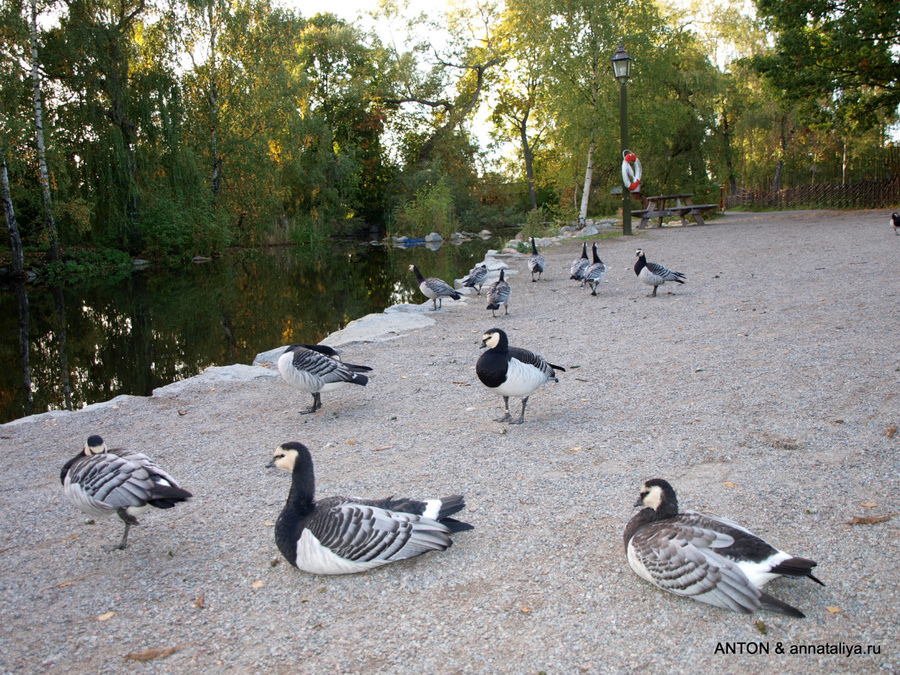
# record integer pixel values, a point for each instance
(579, 265)
(434, 289)
(535, 262)
(895, 221)
(103, 482)
(512, 371)
(317, 368)
(654, 274)
(498, 294)
(594, 274)
(476, 277)
(341, 535)
(704, 557)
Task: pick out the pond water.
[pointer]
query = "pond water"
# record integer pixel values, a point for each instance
(155, 327)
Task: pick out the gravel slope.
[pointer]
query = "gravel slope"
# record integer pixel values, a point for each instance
(763, 389)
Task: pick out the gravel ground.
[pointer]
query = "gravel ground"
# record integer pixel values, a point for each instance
(765, 389)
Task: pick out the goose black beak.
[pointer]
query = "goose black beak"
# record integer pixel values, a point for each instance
(483, 344)
(271, 465)
(639, 502)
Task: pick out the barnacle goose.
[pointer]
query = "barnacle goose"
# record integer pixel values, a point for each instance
(102, 482)
(535, 262)
(433, 288)
(342, 535)
(498, 294)
(895, 221)
(705, 557)
(654, 274)
(318, 368)
(579, 265)
(476, 277)
(594, 274)
(512, 371)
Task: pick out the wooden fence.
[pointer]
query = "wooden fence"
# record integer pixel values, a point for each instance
(870, 194)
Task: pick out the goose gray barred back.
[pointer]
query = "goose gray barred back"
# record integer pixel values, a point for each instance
(476, 277)
(343, 535)
(704, 557)
(318, 368)
(654, 274)
(595, 273)
(498, 295)
(535, 262)
(102, 482)
(512, 371)
(895, 221)
(434, 289)
(579, 265)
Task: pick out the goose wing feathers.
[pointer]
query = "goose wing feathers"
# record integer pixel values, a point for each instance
(323, 367)
(683, 559)
(536, 263)
(440, 288)
(476, 276)
(532, 359)
(108, 481)
(364, 533)
(664, 272)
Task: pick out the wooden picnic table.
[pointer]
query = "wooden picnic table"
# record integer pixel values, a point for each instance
(684, 206)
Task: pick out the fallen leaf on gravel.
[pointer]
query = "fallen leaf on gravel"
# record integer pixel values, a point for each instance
(269, 524)
(891, 431)
(525, 610)
(199, 601)
(575, 448)
(867, 520)
(256, 584)
(833, 610)
(106, 616)
(761, 626)
(351, 442)
(868, 505)
(150, 654)
(182, 412)
(728, 484)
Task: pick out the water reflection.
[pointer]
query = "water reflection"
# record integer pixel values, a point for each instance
(92, 342)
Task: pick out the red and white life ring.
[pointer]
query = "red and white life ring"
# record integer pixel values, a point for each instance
(631, 175)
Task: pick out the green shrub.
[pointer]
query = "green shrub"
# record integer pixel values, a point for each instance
(431, 210)
(80, 265)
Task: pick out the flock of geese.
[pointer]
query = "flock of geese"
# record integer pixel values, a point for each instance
(708, 558)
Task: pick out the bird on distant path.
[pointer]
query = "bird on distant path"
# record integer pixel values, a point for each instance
(102, 482)
(498, 294)
(512, 371)
(579, 265)
(343, 535)
(476, 277)
(318, 368)
(535, 262)
(895, 221)
(594, 274)
(434, 289)
(704, 557)
(654, 274)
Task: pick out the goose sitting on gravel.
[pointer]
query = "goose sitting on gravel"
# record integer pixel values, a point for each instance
(579, 265)
(535, 262)
(341, 535)
(654, 274)
(476, 277)
(512, 371)
(594, 274)
(434, 289)
(895, 221)
(704, 557)
(318, 368)
(498, 295)
(102, 482)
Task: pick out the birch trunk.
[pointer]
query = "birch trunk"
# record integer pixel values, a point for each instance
(15, 241)
(49, 223)
(215, 180)
(588, 174)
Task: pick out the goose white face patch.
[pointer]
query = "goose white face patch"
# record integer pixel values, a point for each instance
(491, 339)
(285, 459)
(652, 497)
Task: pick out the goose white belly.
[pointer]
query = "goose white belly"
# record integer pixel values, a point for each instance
(300, 379)
(93, 507)
(314, 558)
(521, 380)
(650, 278)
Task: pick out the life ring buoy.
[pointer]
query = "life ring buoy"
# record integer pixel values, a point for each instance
(631, 175)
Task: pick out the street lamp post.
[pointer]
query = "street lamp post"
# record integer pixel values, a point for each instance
(622, 70)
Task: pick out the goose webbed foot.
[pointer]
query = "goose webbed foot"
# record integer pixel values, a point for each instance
(521, 417)
(507, 416)
(129, 521)
(316, 404)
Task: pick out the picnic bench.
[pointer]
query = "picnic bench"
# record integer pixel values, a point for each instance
(684, 207)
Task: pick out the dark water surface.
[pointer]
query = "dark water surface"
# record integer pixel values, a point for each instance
(158, 326)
